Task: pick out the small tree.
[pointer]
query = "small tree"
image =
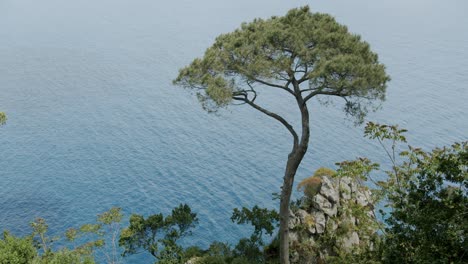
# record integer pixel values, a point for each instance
(303, 54)
(263, 221)
(158, 235)
(428, 197)
(110, 220)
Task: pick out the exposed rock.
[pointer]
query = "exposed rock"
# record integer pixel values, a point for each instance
(193, 260)
(302, 214)
(320, 222)
(345, 188)
(293, 236)
(320, 202)
(329, 191)
(350, 241)
(329, 212)
(362, 198)
(332, 224)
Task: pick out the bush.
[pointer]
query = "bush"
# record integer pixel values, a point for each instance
(429, 218)
(14, 250)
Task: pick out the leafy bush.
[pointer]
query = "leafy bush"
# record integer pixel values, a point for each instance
(429, 220)
(14, 250)
(428, 198)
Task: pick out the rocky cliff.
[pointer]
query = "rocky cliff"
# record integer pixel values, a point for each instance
(334, 217)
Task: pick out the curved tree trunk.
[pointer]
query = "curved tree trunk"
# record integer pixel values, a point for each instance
(294, 160)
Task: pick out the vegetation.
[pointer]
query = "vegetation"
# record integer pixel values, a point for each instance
(303, 54)
(15, 250)
(3, 118)
(158, 235)
(429, 217)
(37, 249)
(428, 198)
(426, 221)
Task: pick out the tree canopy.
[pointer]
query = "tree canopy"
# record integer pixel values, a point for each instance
(309, 49)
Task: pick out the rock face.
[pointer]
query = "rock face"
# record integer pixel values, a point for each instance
(193, 260)
(337, 218)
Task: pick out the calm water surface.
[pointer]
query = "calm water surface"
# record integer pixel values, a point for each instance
(95, 122)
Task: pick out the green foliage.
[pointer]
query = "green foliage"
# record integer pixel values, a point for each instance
(114, 215)
(108, 225)
(98, 238)
(220, 249)
(428, 221)
(64, 256)
(248, 250)
(218, 252)
(158, 234)
(428, 200)
(183, 218)
(40, 228)
(384, 132)
(14, 250)
(3, 118)
(359, 169)
(192, 252)
(281, 51)
(263, 221)
(80, 243)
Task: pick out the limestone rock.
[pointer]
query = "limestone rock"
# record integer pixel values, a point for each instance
(329, 190)
(322, 203)
(345, 188)
(320, 222)
(193, 260)
(293, 236)
(362, 198)
(350, 241)
(327, 213)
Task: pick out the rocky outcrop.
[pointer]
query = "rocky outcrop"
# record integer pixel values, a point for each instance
(336, 218)
(194, 260)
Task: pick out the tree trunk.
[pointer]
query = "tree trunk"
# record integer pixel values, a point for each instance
(294, 160)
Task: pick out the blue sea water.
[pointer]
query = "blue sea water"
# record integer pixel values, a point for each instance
(95, 122)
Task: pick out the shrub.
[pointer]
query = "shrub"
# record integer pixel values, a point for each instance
(311, 186)
(14, 250)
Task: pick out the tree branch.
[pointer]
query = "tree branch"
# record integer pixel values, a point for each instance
(250, 77)
(285, 87)
(321, 92)
(271, 114)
